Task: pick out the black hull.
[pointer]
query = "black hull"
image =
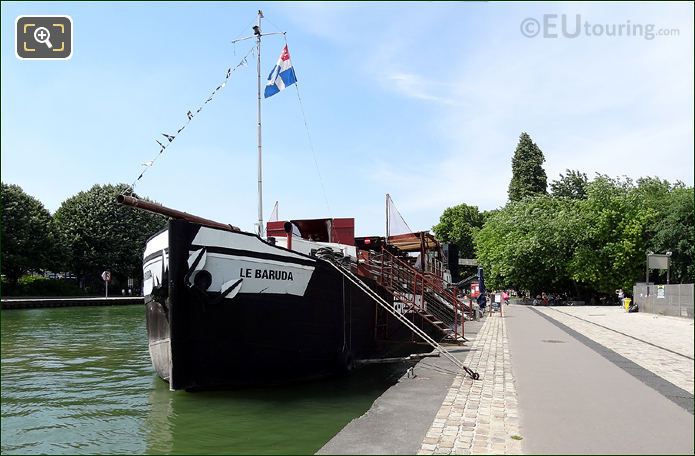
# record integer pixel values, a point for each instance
(199, 341)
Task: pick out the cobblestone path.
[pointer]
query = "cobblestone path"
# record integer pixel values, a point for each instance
(480, 417)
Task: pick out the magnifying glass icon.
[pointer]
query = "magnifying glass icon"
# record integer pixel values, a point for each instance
(42, 35)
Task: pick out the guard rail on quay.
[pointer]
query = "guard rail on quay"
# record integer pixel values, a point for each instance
(42, 302)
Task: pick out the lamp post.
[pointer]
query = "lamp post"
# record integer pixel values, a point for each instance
(646, 280)
(668, 266)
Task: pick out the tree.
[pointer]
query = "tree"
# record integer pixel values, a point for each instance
(672, 228)
(487, 214)
(571, 185)
(528, 244)
(593, 245)
(30, 240)
(528, 175)
(458, 225)
(612, 235)
(103, 235)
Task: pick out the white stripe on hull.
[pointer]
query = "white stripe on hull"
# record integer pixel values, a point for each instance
(259, 275)
(226, 239)
(152, 269)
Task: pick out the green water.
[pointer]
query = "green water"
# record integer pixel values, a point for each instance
(79, 380)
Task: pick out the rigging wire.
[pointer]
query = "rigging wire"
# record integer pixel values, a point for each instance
(190, 115)
(248, 27)
(277, 29)
(239, 35)
(311, 143)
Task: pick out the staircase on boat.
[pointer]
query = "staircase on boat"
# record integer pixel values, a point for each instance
(332, 260)
(421, 292)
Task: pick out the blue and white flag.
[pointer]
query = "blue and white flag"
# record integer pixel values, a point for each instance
(281, 76)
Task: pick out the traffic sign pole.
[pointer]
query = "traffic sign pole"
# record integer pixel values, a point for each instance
(106, 275)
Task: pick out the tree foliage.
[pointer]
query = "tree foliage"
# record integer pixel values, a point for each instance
(101, 235)
(612, 235)
(571, 185)
(30, 240)
(528, 175)
(527, 244)
(622, 220)
(586, 237)
(458, 225)
(673, 230)
(596, 244)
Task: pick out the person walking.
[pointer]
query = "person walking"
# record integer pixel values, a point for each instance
(621, 296)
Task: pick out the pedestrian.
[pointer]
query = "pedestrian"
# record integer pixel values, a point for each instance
(505, 297)
(621, 296)
(482, 301)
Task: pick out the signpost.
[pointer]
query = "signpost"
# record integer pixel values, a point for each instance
(468, 262)
(659, 261)
(106, 276)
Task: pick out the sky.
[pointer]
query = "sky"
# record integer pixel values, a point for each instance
(424, 101)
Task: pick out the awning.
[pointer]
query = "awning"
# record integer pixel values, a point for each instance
(411, 242)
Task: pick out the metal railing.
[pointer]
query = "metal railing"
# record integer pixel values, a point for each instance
(402, 318)
(425, 293)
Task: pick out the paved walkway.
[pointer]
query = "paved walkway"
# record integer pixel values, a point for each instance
(674, 333)
(480, 417)
(662, 345)
(398, 420)
(577, 396)
(551, 376)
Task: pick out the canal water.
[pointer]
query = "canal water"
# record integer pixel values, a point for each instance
(79, 381)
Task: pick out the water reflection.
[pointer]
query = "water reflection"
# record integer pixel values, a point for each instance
(291, 419)
(79, 381)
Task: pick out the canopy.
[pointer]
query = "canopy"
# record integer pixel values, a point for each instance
(412, 242)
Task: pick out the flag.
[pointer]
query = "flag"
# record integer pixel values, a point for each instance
(281, 76)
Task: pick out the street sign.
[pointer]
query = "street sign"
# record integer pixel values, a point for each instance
(106, 276)
(468, 262)
(657, 261)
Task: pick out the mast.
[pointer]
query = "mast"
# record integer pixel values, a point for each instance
(257, 32)
(387, 217)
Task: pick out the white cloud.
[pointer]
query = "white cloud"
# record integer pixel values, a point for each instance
(418, 87)
(598, 104)
(464, 74)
